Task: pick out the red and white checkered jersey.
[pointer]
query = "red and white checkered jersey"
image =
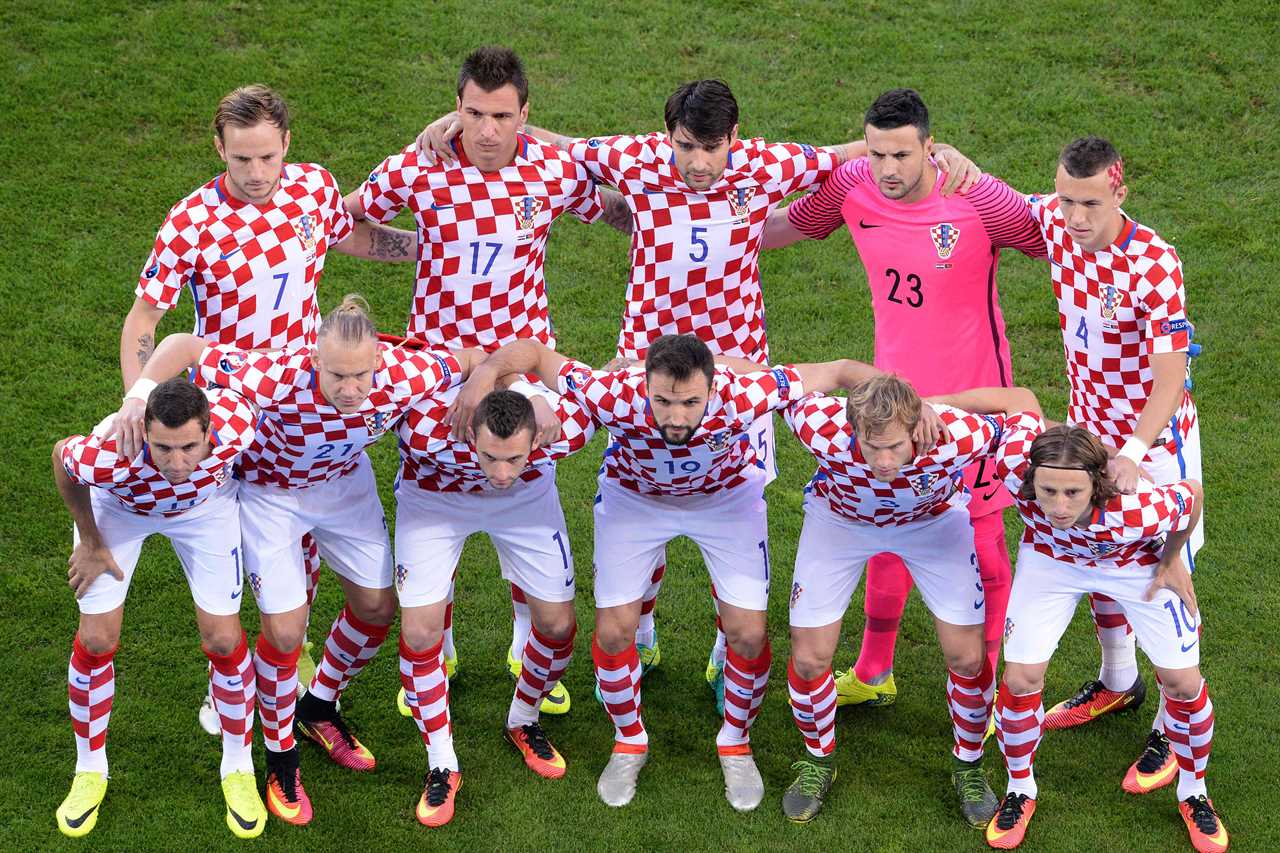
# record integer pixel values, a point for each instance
(925, 486)
(719, 452)
(482, 239)
(302, 438)
(1117, 308)
(93, 460)
(253, 269)
(695, 254)
(1128, 532)
(431, 460)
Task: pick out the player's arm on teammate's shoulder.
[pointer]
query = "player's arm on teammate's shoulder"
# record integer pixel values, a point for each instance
(138, 339)
(961, 172)
(991, 401)
(518, 358)
(738, 365)
(779, 232)
(376, 242)
(433, 142)
(1168, 373)
(550, 137)
(827, 376)
(91, 556)
(175, 354)
(1172, 573)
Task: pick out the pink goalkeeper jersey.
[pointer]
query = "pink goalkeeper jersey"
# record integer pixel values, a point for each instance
(932, 268)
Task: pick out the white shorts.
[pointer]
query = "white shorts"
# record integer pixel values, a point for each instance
(729, 527)
(1183, 465)
(1043, 601)
(525, 524)
(833, 550)
(345, 517)
(206, 539)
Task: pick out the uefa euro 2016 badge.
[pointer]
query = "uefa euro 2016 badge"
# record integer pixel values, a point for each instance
(923, 484)
(1110, 301)
(401, 575)
(308, 234)
(740, 202)
(796, 589)
(526, 210)
(576, 379)
(945, 237)
(375, 423)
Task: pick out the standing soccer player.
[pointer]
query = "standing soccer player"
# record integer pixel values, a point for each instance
(307, 472)
(681, 463)
(872, 494)
(931, 262)
(1126, 337)
(1083, 536)
(251, 246)
(483, 218)
(181, 487)
(501, 484)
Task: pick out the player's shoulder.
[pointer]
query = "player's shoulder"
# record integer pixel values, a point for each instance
(308, 173)
(1146, 249)
(197, 206)
(231, 415)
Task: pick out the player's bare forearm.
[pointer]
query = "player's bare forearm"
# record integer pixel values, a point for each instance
(561, 142)
(827, 376)
(778, 230)
(138, 339)
(1169, 374)
(376, 242)
(740, 365)
(1174, 542)
(616, 212)
(175, 354)
(989, 401)
(351, 201)
(848, 151)
(523, 357)
(76, 498)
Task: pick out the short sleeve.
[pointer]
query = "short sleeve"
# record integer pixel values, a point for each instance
(969, 436)
(388, 187)
(584, 200)
(1013, 455)
(92, 461)
(338, 223)
(819, 423)
(605, 157)
(792, 166)
(263, 378)
(171, 264)
(1161, 293)
(754, 395)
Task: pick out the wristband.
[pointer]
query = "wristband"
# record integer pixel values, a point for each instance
(141, 390)
(1135, 450)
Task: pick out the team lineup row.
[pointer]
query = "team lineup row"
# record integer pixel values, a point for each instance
(911, 489)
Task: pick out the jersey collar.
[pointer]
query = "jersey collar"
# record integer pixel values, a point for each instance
(522, 150)
(225, 196)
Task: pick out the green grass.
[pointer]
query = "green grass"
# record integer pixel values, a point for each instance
(108, 116)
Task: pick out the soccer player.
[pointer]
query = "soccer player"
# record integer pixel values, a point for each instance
(502, 483)
(1125, 333)
(483, 220)
(681, 463)
(931, 262)
(251, 245)
(181, 487)
(696, 200)
(1082, 536)
(307, 472)
(874, 493)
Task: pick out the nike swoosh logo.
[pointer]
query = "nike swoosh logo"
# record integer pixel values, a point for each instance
(327, 743)
(244, 824)
(280, 806)
(991, 494)
(1123, 700)
(74, 823)
(226, 255)
(1189, 646)
(977, 605)
(648, 191)
(569, 582)
(862, 223)
(236, 594)
(437, 206)
(553, 699)
(82, 681)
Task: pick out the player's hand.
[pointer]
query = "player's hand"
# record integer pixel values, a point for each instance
(927, 430)
(433, 142)
(548, 429)
(87, 561)
(127, 428)
(1124, 471)
(620, 362)
(959, 172)
(461, 413)
(1172, 574)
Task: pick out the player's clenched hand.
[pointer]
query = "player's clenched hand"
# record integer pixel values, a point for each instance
(1172, 574)
(461, 413)
(927, 430)
(433, 142)
(1124, 471)
(620, 362)
(960, 173)
(127, 428)
(87, 561)
(548, 430)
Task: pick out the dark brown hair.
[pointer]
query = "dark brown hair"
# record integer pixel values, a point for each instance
(1071, 447)
(175, 402)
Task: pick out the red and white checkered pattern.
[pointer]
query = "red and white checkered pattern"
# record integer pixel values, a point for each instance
(969, 699)
(253, 269)
(1128, 532)
(426, 692)
(1117, 308)
(745, 683)
(351, 644)
(695, 254)
(927, 485)
(234, 685)
(813, 707)
(719, 452)
(91, 688)
(619, 679)
(93, 460)
(433, 461)
(482, 239)
(1189, 726)
(542, 665)
(302, 438)
(276, 674)
(1019, 727)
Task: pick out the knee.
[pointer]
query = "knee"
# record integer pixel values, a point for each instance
(613, 637)
(809, 665)
(967, 663)
(378, 608)
(284, 636)
(1181, 685)
(420, 634)
(559, 624)
(222, 639)
(747, 640)
(1022, 681)
(97, 639)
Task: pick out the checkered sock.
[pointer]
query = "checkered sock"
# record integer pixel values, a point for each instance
(969, 700)
(234, 686)
(1189, 726)
(426, 692)
(813, 707)
(521, 622)
(542, 664)
(351, 644)
(91, 687)
(1019, 725)
(277, 682)
(647, 631)
(619, 679)
(745, 683)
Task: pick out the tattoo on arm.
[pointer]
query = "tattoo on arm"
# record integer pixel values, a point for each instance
(616, 212)
(390, 243)
(146, 346)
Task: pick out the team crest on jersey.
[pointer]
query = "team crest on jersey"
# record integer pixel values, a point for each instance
(945, 236)
(1101, 549)
(307, 231)
(527, 210)
(1110, 301)
(718, 441)
(220, 476)
(923, 484)
(376, 422)
(796, 589)
(740, 200)
(402, 574)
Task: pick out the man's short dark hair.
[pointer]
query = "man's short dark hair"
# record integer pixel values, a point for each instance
(706, 109)
(1087, 156)
(492, 67)
(505, 413)
(899, 108)
(680, 356)
(176, 402)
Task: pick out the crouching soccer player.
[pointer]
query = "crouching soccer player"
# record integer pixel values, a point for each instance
(502, 483)
(180, 486)
(306, 472)
(875, 493)
(1083, 536)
